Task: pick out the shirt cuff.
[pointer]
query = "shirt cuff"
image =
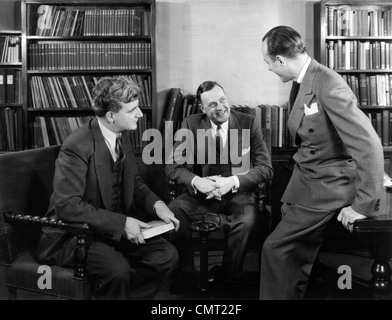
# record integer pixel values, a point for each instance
(155, 211)
(194, 189)
(237, 184)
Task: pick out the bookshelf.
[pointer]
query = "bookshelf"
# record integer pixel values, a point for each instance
(67, 46)
(11, 112)
(354, 38)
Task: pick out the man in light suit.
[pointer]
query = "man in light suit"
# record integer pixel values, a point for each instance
(215, 180)
(338, 165)
(96, 182)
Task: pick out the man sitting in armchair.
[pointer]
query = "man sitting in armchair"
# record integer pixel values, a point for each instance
(217, 182)
(96, 182)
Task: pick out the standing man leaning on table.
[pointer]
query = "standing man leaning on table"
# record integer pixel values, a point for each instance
(338, 166)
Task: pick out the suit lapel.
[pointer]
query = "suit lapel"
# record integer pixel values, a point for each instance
(102, 165)
(129, 172)
(206, 125)
(305, 95)
(233, 124)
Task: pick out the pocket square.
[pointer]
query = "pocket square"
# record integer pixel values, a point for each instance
(312, 109)
(245, 151)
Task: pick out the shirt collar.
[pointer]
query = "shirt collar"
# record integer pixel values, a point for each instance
(304, 69)
(109, 135)
(224, 126)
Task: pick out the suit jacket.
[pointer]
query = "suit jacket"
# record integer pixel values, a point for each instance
(340, 158)
(249, 157)
(82, 187)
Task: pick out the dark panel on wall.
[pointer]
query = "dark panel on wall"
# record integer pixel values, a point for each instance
(10, 15)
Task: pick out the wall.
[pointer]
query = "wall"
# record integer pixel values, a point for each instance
(220, 40)
(10, 15)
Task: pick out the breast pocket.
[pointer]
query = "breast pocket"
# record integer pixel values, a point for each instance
(311, 109)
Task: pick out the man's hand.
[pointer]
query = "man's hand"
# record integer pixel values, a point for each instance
(165, 214)
(223, 185)
(133, 232)
(347, 216)
(204, 185)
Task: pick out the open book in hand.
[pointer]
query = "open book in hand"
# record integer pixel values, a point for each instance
(157, 227)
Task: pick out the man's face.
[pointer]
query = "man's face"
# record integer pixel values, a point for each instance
(126, 119)
(215, 105)
(275, 65)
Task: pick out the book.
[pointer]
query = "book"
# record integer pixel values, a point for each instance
(2, 85)
(10, 86)
(157, 227)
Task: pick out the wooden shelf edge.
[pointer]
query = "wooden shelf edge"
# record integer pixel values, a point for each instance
(89, 72)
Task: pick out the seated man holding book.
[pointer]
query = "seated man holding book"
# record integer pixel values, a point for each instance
(96, 182)
(222, 159)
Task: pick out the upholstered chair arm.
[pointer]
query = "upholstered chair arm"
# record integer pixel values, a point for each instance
(13, 242)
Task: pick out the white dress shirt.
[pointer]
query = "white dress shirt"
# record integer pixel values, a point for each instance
(224, 134)
(110, 139)
(304, 69)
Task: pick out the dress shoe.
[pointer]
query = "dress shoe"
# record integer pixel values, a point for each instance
(217, 275)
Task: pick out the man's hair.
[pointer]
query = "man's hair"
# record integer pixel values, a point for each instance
(285, 41)
(110, 91)
(206, 86)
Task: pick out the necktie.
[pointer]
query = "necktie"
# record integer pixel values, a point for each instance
(118, 148)
(293, 93)
(218, 142)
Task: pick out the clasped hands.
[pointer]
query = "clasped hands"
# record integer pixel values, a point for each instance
(214, 186)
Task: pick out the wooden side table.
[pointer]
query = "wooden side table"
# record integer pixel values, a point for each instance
(377, 234)
(204, 224)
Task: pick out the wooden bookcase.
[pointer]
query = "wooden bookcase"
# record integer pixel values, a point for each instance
(355, 39)
(11, 112)
(67, 46)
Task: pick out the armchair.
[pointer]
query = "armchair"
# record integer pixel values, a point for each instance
(26, 185)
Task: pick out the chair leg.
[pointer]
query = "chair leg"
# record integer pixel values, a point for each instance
(12, 295)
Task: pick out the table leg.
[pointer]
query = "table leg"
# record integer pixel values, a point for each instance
(380, 248)
(203, 264)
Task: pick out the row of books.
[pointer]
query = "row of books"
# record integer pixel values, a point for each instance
(353, 55)
(92, 21)
(382, 124)
(373, 90)
(136, 135)
(10, 86)
(50, 131)
(11, 129)
(10, 49)
(89, 56)
(275, 118)
(76, 91)
(180, 105)
(54, 130)
(346, 21)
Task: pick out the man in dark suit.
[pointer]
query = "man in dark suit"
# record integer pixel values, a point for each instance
(96, 182)
(219, 180)
(338, 166)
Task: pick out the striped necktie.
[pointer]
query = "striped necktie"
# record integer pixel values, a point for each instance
(118, 148)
